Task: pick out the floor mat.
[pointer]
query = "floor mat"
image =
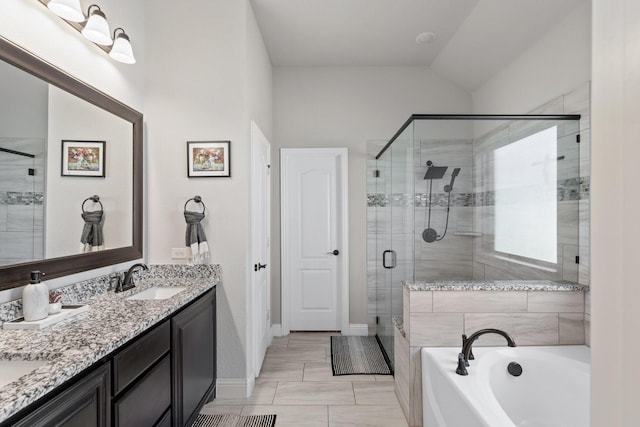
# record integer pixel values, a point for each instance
(235, 421)
(357, 356)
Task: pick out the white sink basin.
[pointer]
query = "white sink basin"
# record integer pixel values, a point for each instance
(157, 292)
(11, 370)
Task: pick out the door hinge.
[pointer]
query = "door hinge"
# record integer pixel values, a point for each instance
(577, 259)
(268, 169)
(376, 173)
(377, 320)
(578, 138)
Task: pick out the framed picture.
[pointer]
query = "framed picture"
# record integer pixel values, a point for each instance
(83, 158)
(208, 159)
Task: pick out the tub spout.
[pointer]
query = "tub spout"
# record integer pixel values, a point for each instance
(467, 343)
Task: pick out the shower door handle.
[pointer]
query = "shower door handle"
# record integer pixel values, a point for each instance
(393, 259)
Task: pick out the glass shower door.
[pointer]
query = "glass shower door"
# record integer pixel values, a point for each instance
(395, 227)
(384, 261)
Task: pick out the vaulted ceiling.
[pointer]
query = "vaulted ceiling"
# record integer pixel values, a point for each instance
(475, 38)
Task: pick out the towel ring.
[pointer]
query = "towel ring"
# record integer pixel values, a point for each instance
(95, 199)
(196, 199)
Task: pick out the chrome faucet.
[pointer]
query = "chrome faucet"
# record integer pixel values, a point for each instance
(127, 283)
(467, 343)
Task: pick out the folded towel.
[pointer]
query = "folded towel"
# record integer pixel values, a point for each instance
(195, 237)
(92, 238)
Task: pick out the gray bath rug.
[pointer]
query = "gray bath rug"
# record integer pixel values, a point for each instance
(235, 421)
(357, 356)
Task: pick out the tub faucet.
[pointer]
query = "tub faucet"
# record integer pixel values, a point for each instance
(467, 343)
(127, 282)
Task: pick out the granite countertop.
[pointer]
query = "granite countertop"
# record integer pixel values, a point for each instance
(74, 344)
(495, 285)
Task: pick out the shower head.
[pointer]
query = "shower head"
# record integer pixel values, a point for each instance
(434, 172)
(448, 188)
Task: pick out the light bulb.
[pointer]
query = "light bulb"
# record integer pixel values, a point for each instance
(122, 50)
(67, 9)
(97, 29)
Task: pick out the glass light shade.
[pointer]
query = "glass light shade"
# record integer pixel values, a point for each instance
(97, 29)
(121, 50)
(67, 9)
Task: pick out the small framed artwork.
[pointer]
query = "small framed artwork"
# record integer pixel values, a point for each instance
(83, 158)
(208, 159)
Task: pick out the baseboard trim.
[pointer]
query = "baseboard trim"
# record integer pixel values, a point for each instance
(357, 329)
(276, 330)
(234, 388)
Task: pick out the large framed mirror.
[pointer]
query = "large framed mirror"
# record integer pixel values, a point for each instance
(62, 142)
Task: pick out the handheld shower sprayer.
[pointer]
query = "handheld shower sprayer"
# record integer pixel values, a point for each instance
(449, 187)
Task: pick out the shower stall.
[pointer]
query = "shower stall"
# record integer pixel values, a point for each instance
(21, 199)
(471, 198)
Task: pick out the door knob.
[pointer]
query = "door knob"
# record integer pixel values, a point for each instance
(334, 252)
(258, 266)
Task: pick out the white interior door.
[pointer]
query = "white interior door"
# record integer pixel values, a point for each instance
(315, 249)
(261, 288)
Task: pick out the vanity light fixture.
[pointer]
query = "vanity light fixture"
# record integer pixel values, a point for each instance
(94, 27)
(121, 50)
(97, 29)
(67, 9)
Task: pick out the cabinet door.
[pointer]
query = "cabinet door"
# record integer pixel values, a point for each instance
(84, 404)
(193, 351)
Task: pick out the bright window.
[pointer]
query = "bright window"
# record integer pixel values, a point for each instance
(525, 176)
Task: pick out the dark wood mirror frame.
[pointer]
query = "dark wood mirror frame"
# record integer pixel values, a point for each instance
(18, 274)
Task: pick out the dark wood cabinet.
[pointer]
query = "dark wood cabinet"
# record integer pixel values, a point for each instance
(147, 401)
(142, 379)
(193, 354)
(159, 379)
(83, 404)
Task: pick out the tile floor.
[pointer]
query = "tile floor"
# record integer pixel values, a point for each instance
(296, 384)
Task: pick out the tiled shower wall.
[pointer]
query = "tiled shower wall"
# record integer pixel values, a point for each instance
(21, 201)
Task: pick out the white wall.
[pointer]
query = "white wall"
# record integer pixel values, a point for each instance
(556, 64)
(71, 118)
(23, 110)
(345, 107)
(208, 74)
(615, 205)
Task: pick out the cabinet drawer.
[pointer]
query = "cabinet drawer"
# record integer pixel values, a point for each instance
(140, 355)
(148, 400)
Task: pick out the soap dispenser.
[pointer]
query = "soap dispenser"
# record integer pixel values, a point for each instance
(35, 298)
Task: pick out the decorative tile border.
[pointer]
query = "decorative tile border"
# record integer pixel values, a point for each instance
(568, 189)
(21, 198)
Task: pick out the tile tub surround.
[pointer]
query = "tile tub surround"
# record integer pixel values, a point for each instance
(73, 345)
(436, 314)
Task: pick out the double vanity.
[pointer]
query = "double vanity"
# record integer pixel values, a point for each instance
(146, 356)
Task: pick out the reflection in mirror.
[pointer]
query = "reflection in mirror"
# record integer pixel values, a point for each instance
(23, 136)
(41, 226)
(40, 209)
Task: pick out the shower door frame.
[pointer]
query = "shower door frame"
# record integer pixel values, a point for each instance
(418, 117)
